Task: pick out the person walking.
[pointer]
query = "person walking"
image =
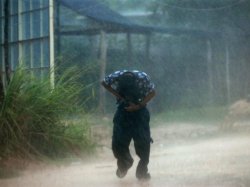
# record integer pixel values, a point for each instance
(133, 90)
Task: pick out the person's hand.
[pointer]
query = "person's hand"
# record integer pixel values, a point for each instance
(132, 107)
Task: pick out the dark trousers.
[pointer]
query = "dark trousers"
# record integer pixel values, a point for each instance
(128, 126)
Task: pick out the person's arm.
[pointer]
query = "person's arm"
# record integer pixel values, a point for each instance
(133, 107)
(147, 98)
(111, 90)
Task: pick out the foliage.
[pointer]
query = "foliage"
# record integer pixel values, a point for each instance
(32, 116)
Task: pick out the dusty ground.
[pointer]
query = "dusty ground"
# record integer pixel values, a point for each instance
(183, 155)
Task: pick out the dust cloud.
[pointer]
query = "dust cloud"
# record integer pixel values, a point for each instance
(183, 154)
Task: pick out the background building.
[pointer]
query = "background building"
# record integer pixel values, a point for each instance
(27, 32)
(196, 57)
(28, 39)
(32, 32)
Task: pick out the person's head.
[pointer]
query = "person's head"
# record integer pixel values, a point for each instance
(127, 85)
(126, 81)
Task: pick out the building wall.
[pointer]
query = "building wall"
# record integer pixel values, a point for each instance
(28, 35)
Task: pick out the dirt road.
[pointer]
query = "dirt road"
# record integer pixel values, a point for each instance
(183, 155)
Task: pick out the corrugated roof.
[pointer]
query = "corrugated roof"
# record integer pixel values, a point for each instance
(101, 13)
(118, 23)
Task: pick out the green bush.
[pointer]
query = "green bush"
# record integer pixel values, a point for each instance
(36, 120)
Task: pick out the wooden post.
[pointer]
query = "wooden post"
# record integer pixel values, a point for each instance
(92, 47)
(148, 44)
(210, 72)
(103, 59)
(51, 43)
(129, 50)
(228, 78)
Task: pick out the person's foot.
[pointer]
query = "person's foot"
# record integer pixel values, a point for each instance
(120, 173)
(145, 176)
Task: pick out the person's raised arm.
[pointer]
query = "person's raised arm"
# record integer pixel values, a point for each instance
(111, 90)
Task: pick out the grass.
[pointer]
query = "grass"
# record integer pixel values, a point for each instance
(36, 121)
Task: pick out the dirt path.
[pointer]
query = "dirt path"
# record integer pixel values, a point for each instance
(183, 155)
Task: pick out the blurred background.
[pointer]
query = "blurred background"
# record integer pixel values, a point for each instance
(195, 51)
(198, 55)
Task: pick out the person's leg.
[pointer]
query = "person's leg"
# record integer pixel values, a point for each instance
(143, 151)
(120, 144)
(142, 141)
